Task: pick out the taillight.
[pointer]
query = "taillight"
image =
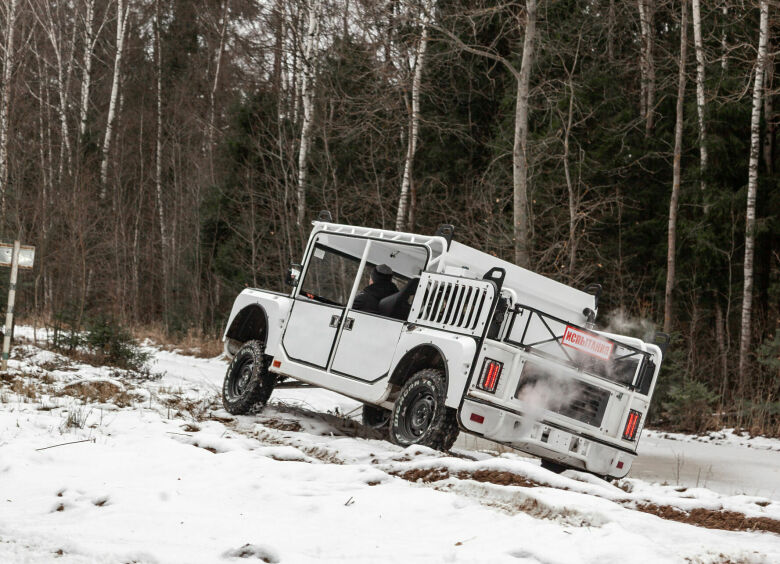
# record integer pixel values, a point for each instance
(632, 425)
(491, 372)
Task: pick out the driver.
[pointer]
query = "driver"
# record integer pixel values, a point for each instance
(380, 286)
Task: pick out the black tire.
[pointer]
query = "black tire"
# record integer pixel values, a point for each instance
(420, 416)
(376, 417)
(247, 381)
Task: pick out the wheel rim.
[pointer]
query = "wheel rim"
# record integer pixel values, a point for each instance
(241, 378)
(417, 418)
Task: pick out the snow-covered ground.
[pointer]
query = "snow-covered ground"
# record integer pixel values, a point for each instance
(171, 477)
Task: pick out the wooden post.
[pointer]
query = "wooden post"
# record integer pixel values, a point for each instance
(9, 315)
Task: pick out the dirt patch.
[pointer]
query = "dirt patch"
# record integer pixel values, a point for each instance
(424, 475)
(501, 478)
(497, 477)
(713, 519)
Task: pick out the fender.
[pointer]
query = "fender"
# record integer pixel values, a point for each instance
(458, 352)
(275, 309)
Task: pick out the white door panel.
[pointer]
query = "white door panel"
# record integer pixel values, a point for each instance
(366, 350)
(310, 332)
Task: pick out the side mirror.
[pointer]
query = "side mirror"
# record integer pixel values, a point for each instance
(293, 274)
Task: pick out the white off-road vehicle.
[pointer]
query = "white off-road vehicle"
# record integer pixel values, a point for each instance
(468, 343)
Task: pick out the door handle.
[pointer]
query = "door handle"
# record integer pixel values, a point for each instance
(349, 323)
(334, 320)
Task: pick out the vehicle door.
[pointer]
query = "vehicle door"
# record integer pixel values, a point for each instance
(368, 340)
(321, 298)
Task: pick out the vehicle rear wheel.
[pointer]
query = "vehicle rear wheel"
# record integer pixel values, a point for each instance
(420, 416)
(376, 417)
(247, 381)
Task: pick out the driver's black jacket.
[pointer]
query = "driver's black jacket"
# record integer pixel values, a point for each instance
(369, 297)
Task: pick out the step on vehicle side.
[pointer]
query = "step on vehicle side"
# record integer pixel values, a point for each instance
(481, 345)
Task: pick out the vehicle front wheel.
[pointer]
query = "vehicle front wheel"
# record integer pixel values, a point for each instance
(420, 416)
(247, 381)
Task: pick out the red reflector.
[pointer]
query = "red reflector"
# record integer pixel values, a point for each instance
(277, 363)
(478, 418)
(619, 464)
(632, 425)
(491, 372)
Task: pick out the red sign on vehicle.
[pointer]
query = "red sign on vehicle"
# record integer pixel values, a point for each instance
(588, 343)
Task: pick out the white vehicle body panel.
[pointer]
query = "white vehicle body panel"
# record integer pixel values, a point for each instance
(366, 350)
(310, 334)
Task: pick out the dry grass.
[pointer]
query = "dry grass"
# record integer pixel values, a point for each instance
(24, 388)
(194, 343)
(101, 391)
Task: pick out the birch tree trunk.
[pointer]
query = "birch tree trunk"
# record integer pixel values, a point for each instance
(165, 255)
(520, 148)
(700, 102)
(750, 218)
(86, 79)
(122, 12)
(215, 86)
(419, 62)
(307, 96)
(5, 100)
(674, 200)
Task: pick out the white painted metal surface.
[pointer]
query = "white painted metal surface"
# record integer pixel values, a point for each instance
(453, 304)
(366, 350)
(310, 332)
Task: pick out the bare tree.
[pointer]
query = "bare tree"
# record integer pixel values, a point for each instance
(522, 76)
(750, 217)
(647, 63)
(159, 158)
(64, 51)
(5, 98)
(91, 37)
(122, 14)
(414, 123)
(520, 149)
(215, 86)
(307, 96)
(671, 260)
(700, 99)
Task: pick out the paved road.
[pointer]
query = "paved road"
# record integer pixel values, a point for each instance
(727, 469)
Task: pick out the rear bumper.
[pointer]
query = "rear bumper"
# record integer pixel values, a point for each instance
(544, 439)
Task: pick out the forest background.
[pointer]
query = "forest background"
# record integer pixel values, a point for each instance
(164, 154)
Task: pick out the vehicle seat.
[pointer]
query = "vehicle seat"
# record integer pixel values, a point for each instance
(397, 305)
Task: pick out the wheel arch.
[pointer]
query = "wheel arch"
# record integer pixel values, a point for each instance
(418, 358)
(250, 323)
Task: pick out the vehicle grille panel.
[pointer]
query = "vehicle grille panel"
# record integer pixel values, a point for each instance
(588, 406)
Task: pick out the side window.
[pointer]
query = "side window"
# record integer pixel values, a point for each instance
(331, 271)
(407, 263)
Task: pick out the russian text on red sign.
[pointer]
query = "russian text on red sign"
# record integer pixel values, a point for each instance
(588, 343)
